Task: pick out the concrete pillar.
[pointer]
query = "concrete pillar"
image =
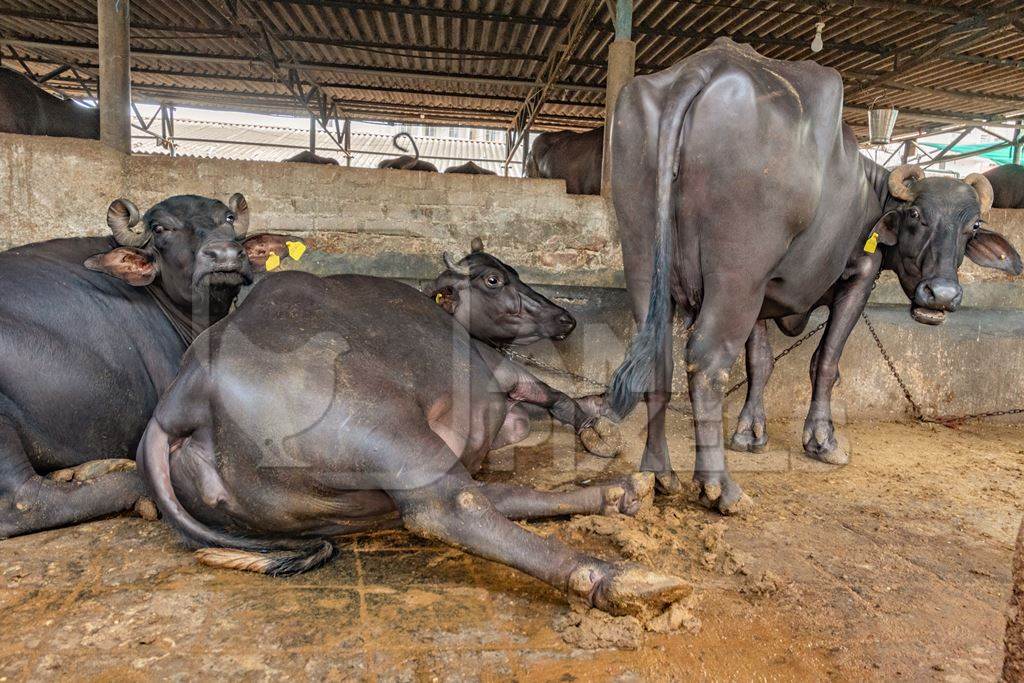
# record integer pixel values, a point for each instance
(621, 68)
(115, 75)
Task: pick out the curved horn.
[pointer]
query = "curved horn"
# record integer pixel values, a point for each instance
(476, 245)
(983, 187)
(898, 181)
(122, 216)
(240, 208)
(453, 265)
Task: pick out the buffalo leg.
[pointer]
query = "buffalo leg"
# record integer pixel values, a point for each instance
(751, 432)
(625, 497)
(851, 295)
(724, 322)
(656, 457)
(453, 509)
(31, 503)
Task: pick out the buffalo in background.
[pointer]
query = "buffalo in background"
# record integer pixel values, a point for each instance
(573, 157)
(469, 168)
(407, 162)
(308, 157)
(1007, 186)
(27, 109)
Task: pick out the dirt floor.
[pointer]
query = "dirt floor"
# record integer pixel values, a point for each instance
(894, 567)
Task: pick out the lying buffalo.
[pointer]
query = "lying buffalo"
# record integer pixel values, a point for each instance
(768, 225)
(317, 410)
(1007, 186)
(27, 109)
(93, 331)
(574, 157)
(407, 162)
(469, 168)
(487, 297)
(308, 157)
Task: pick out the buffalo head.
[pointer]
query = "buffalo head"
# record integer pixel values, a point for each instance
(487, 297)
(194, 247)
(928, 235)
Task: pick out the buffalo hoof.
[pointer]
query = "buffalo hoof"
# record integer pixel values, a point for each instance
(602, 438)
(722, 494)
(750, 436)
(146, 509)
(627, 589)
(93, 469)
(667, 483)
(820, 444)
(629, 497)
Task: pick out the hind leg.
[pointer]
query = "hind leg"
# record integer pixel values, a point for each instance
(31, 503)
(751, 433)
(626, 497)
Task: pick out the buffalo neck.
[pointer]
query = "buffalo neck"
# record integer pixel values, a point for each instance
(187, 322)
(878, 179)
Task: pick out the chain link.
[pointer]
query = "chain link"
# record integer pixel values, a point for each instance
(951, 421)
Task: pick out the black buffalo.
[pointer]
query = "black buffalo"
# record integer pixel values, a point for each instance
(744, 162)
(487, 297)
(469, 168)
(313, 411)
(1007, 186)
(93, 331)
(407, 162)
(308, 157)
(27, 109)
(574, 157)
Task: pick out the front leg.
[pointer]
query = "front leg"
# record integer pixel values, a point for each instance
(586, 416)
(850, 296)
(751, 432)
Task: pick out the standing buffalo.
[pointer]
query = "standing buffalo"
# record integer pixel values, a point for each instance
(741, 196)
(574, 157)
(315, 410)
(27, 109)
(309, 157)
(1007, 186)
(93, 331)
(469, 168)
(407, 162)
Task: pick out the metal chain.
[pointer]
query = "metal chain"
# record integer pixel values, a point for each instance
(918, 415)
(782, 354)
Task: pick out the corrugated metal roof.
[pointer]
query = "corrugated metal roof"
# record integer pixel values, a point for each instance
(472, 61)
(270, 143)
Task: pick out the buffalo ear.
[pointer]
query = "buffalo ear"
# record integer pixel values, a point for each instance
(886, 228)
(259, 248)
(991, 250)
(132, 265)
(240, 207)
(447, 298)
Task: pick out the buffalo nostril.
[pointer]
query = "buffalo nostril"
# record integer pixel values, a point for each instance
(567, 321)
(939, 294)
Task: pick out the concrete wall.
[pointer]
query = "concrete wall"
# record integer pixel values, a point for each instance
(397, 223)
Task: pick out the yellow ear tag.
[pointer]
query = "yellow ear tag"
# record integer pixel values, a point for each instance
(273, 261)
(296, 250)
(437, 299)
(871, 244)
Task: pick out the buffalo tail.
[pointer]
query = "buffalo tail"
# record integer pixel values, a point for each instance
(217, 548)
(634, 376)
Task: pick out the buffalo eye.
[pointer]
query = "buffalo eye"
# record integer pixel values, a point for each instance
(230, 218)
(915, 213)
(158, 228)
(493, 281)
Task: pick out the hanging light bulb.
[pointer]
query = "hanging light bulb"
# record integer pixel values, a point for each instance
(818, 44)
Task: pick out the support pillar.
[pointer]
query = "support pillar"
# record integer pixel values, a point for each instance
(1018, 142)
(621, 68)
(312, 134)
(115, 74)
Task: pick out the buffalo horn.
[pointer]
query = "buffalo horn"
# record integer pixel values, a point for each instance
(898, 181)
(453, 265)
(122, 217)
(983, 187)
